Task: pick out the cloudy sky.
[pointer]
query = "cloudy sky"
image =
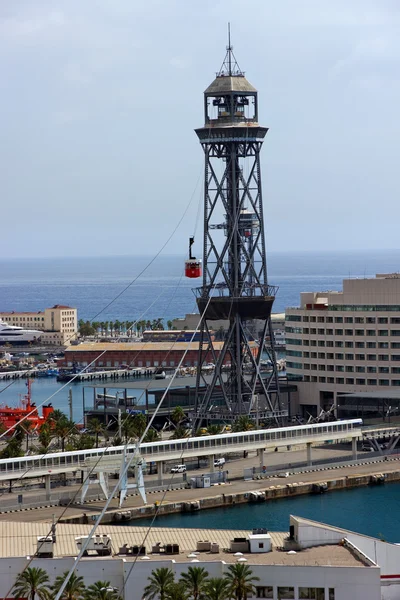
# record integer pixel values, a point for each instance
(99, 99)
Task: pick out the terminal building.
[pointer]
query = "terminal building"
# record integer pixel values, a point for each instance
(58, 323)
(343, 348)
(312, 561)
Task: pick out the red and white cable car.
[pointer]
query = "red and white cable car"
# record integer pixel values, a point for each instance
(193, 264)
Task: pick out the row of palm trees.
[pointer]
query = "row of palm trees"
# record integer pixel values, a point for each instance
(104, 328)
(238, 583)
(33, 583)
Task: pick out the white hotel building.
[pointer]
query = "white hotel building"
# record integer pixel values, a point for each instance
(346, 342)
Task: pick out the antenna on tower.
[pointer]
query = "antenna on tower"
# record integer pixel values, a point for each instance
(230, 67)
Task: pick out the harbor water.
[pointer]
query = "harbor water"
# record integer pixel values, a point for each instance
(371, 510)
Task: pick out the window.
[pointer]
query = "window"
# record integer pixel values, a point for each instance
(360, 369)
(382, 320)
(313, 331)
(349, 356)
(383, 357)
(360, 345)
(338, 331)
(285, 593)
(329, 319)
(321, 354)
(313, 343)
(321, 319)
(291, 353)
(339, 344)
(339, 356)
(360, 381)
(396, 370)
(305, 319)
(321, 343)
(339, 368)
(331, 594)
(293, 318)
(330, 368)
(395, 345)
(371, 356)
(314, 379)
(383, 369)
(305, 330)
(370, 320)
(293, 342)
(329, 344)
(331, 380)
(348, 332)
(359, 332)
(360, 356)
(371, 381)
(370, 332)
(265, 591)
(321, 367)
(312, 593)
(359, 320)
(305, 354)
(395, 332)
(396, 382)
(349, 369)
(349, 380)
(322, 379)
(349, 344)
(338, 319)
(329, 332)
(384, 382)
(371, 344)
(321, 331)
(290, 365)
(339, 379)
(371, 369)
(348, 319)
(383, 345)
(383, 332)
(330, 355)
(313, 319)
(396, 357)
(313, 355)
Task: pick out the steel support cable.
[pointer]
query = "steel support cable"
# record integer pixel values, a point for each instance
(135, 278)
(135, 455)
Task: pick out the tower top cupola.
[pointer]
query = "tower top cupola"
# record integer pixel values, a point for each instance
(230, 99)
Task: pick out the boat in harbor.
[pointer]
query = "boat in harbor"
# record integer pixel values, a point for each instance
(11, 415)
(14, 335)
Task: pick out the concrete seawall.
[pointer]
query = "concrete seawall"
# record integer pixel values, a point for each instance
(260, 495)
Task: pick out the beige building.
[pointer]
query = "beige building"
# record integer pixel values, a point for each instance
(345, 342)
(58, 323)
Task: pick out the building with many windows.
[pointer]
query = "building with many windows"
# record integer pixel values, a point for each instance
(58, 323)
(346, 342)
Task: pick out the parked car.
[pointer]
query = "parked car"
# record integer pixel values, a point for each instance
(179, 469)
(219, 462)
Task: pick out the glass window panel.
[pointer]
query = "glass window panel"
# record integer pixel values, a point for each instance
(285, 593)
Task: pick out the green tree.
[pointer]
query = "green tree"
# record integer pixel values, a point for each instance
(177, 591)
(160, 582)
(195, 581)
(240, 580)
(169, 324)
(82, 441)
(178, 415)
(13, 449)
(32, 582)
(152, 435)
(63, 429)
(45, 437)
(96, 428)
(101, 590)
(180, 432)
(86, 329)
(74, 590)
(139, 424)
(214, 429)
(243, 423)
(117, 326)
(217, 589)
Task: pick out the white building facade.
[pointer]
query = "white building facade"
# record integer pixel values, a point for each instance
(58, 323)
(344, 342)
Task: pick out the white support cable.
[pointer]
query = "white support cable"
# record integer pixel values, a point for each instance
(135, 454)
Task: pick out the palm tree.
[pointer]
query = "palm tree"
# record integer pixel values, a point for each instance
(217, 589)
(95, 427)
(195, 581)
(240, 580)
(101, 590)
(180, 432)
(63, 429)
(178, 415)
(139, 423)
(32, 582)
(74, 590)
(152, 435)
(160, 581)
(244, 423)
(169, 324)
(177, 591)
(214, 429)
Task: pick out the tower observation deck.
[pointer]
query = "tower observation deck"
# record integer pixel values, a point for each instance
(235, 284)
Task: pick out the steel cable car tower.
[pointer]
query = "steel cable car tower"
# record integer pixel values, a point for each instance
(235, 285)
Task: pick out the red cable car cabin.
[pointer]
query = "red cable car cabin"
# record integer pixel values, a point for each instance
(193, 264)
(193, 268)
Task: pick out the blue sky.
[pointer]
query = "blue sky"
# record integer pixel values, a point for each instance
(99, 101)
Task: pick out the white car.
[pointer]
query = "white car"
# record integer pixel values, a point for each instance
(219, 462)
(179, 469)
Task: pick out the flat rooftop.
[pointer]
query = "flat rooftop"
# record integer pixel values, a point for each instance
(20, 539)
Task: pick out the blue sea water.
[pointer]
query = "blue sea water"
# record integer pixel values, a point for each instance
(92, 284)
(369, 510)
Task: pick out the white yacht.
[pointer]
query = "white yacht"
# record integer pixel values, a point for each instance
(11, 334)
